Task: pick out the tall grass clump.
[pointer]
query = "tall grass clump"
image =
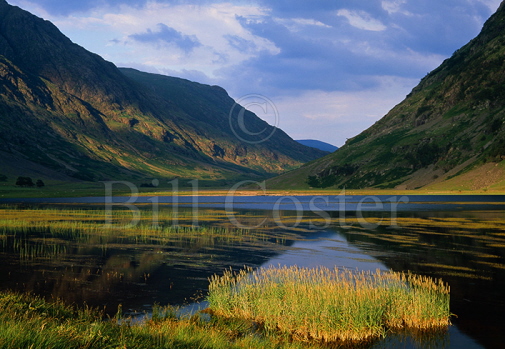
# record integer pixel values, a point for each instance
(330, 305)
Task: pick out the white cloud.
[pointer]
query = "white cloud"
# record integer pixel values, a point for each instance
(308, 21)
(393, 6)
(298, 24)
(362, 20)
(109, 30)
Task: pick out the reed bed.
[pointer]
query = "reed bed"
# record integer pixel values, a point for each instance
(330, 305)
(54, 233)
(73, 222)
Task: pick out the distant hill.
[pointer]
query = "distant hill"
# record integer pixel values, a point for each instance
(318, 145)
(447, 134)
(66, 113)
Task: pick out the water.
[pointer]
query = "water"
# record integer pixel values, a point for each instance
(352, 203)
(461, 241)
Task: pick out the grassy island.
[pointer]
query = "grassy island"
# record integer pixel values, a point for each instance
(331, 305)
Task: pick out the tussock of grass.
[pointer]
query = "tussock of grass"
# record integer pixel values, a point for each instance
(331, 305)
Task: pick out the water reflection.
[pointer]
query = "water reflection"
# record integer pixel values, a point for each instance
(134, 268)
(329, 249)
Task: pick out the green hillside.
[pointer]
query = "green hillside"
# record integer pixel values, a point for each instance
(447, 134)
(67, 114)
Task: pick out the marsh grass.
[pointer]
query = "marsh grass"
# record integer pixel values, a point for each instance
(50, 233)
(331, 305)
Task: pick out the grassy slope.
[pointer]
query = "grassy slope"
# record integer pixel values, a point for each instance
(451, 124)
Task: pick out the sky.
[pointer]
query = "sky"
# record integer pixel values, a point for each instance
(331, 68)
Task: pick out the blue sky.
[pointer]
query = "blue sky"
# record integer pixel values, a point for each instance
(331, 67)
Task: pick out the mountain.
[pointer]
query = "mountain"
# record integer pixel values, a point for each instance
(66, 113)
(318, 145)
(447, 134)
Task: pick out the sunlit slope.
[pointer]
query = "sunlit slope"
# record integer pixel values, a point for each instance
(66, 112)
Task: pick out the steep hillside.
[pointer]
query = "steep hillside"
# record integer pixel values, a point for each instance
(207, 110)
(447, 129)
(66, 112)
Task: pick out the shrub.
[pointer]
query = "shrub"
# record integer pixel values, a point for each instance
(24, 182)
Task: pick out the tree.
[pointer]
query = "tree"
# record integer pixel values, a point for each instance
(24, 182)
(39, 183)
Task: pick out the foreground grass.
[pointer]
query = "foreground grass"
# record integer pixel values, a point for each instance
(30, 322)
(331, 305)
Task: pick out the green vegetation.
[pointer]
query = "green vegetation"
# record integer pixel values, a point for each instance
(30, 322)
(330, 305)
